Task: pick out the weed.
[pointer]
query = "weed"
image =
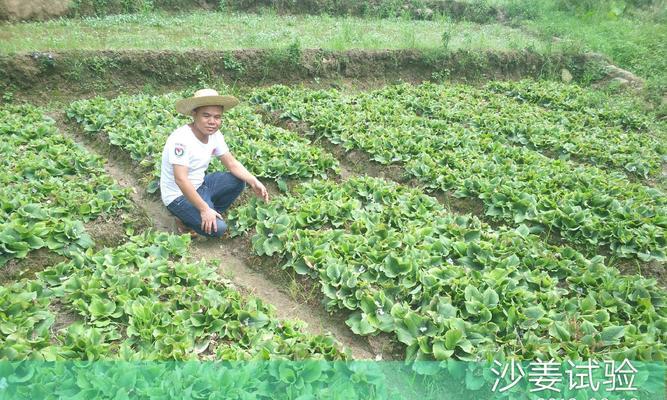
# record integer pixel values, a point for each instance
(478, 11)
(441, 75)
(202, 75)
(8, 97)
(45, 61)
(289, 56)
(149, 89)
(409, 37)
(100, 65)
(74, 70)
(106, 7)
(232, 64)
(592, 72)
(446, 38)
(299, 292)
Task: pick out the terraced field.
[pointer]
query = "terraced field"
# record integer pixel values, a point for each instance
(447, 138)
(511, 155)
(146, 299)
(387, 259)
(466, 199)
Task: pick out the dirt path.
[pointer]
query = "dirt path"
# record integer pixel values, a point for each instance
(233, 254)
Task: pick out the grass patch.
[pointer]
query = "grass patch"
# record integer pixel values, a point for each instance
(635, 41)
(631, 33)
(222, 31)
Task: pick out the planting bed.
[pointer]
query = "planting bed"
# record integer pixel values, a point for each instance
(442, 284)
(460, 140)
(402, 276)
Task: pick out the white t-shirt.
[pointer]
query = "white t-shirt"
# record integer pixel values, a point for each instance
(183, 148)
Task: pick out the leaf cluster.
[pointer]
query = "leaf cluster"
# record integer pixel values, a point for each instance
(449, 286)
(141, 124)
(49, 187)
(461, 140)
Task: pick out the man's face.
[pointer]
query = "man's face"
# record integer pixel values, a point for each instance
(208, 119)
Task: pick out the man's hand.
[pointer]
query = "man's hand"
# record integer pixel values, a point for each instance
(239, 171)
(208, 220)
(260, 190)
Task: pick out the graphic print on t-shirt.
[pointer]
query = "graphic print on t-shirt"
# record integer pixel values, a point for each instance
(179, 149)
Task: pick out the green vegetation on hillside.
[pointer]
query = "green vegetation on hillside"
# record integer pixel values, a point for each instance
(220, 31)
(631, 33)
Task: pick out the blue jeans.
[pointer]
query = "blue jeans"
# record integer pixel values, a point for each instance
(219, 191)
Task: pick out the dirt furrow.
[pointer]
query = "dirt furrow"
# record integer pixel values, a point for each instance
(272, 287)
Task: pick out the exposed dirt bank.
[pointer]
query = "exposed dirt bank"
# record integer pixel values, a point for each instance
(43, 77)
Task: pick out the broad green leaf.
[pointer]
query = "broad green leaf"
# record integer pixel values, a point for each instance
(560, 331)
(490, 298)
(612, 334)
(440, 352)
(359, 324)
(452, 338)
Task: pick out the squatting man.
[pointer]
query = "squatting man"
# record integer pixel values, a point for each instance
(195, 198)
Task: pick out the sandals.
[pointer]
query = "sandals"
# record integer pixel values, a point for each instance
(183, 229)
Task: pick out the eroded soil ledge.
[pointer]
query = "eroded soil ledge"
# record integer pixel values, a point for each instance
(47, 76)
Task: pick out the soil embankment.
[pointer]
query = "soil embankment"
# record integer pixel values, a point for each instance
(22, 10)
(79, 74)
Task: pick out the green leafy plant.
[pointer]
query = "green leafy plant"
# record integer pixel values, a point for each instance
(51, 189)
(448, 286)
(528, 163)
(145, 300)
(232, 64)
(141, 124)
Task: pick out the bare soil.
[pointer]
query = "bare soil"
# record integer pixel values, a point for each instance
(64, 317)
(106, 232)
(655, 270)
(36, 261)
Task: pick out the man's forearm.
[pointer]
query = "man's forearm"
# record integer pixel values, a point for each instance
(191, 194)
(238, 170)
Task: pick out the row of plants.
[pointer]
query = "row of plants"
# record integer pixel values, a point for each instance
(574, 128)
(140, 125)
(629, 111)
(49, 187)
(587, 206)
(598, 134)
(449, 286)
(624, 110)
(139, 302)
(144, 302)
(146, 380)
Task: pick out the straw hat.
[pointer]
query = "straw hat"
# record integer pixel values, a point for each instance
(205, 97)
